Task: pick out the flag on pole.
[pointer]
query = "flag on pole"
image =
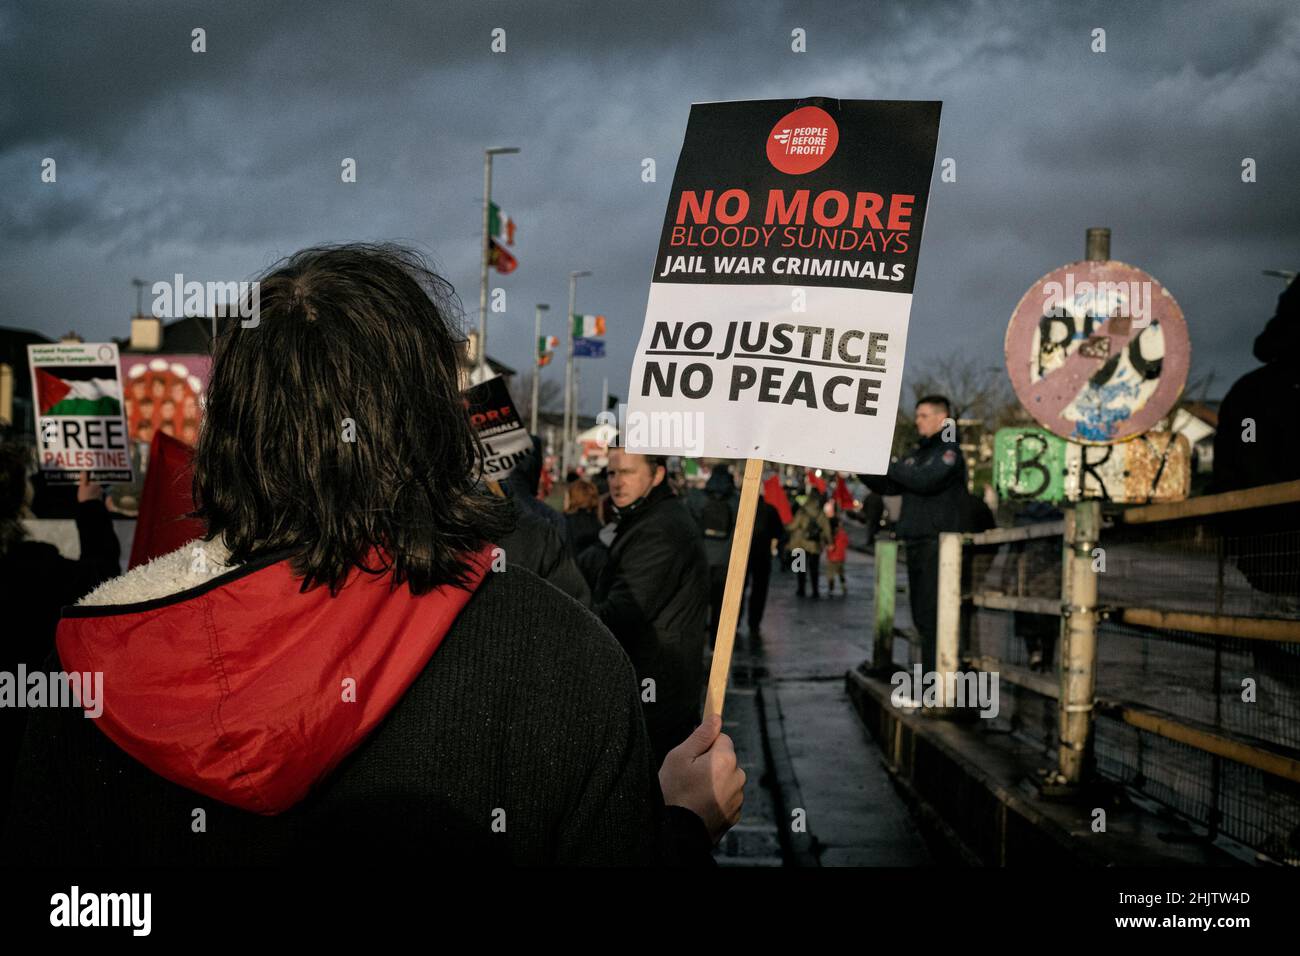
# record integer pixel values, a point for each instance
(843, 497)
(500, 225)
(546, 344)
(587, 326)
(816, 481)
(774, 495)
(588, 348)
(502, 259)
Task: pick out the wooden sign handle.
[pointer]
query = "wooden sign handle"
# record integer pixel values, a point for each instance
(735, 587)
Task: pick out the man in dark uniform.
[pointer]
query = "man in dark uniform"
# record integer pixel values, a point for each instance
(932, 481)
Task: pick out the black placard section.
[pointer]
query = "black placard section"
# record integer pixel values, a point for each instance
(885, 153)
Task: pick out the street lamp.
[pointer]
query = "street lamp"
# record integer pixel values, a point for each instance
(570, 411)
(487, 253)
(537, 366)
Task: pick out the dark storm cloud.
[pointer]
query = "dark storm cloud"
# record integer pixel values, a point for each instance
(215, 165)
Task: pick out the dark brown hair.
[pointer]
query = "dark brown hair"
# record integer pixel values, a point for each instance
(334, 427)
(583, 496)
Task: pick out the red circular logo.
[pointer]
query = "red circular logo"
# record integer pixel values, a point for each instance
(803, 140)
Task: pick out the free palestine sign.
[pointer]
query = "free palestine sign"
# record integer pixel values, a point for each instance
(77, 399)
(778, 310)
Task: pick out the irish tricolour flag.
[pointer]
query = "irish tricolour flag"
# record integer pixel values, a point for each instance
(79, 390)
(587, 326)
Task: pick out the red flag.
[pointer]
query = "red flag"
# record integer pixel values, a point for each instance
(774, 495)
(503, 260)
(843, 497)
(816, 482)
(50, 390)
(165, 502)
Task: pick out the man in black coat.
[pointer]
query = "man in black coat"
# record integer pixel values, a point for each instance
(758, 573)
(1254, 446)
(653, 594)
(932, 480)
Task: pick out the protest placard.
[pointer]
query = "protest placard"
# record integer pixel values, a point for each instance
(77, 401)
(777, 318)
(505, 439)
(778, 309)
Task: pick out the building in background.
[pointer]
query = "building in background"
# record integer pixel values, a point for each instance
(16, 418)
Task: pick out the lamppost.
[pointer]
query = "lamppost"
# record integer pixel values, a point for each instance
(537, 364)
(570, 412)
(487, 253)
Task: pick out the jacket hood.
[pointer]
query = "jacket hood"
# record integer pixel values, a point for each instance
(232, 682)
(1281, 336)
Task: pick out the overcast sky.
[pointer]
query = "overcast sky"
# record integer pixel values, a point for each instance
(214, 165)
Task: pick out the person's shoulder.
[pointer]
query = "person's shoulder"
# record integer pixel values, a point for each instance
(949, 452)
(28, 553)
(671, 518)
(516, 614)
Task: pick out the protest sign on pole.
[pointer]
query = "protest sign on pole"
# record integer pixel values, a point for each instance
(77, 400)
(778, 308)
(505, 439)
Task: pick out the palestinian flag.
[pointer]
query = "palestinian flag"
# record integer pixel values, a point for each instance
(499, 257)
(588, 326)
(500, 225)
(78, 390)
(546, 344)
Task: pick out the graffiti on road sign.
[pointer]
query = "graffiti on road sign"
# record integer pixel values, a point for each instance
(1032, 464)
(1097, 352)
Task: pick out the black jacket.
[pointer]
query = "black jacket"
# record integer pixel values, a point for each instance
(583, 530)
(932, 481)
(653, 593)
(36, 582)
(536, 545)
(526, 713)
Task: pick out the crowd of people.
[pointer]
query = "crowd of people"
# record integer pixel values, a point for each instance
(338, 645)
(338, 652)
(340, 657)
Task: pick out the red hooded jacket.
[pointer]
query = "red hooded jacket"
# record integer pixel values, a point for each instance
(248, 691)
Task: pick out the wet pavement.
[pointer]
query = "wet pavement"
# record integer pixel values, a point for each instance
(818, 792)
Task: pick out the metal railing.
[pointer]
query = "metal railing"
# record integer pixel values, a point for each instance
(1160, 625)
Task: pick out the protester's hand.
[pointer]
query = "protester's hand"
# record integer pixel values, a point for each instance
(88, 490)
(701, 774)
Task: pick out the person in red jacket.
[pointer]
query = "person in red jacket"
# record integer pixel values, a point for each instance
(836, 554)
(348, 660)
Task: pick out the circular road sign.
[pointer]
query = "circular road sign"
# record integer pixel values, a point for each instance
(1098, 352)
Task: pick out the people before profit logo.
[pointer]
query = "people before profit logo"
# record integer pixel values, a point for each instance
(803, 140)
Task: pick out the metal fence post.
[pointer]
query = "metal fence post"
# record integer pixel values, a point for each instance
(1079, 653)
(882, 653)
(948, 625)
